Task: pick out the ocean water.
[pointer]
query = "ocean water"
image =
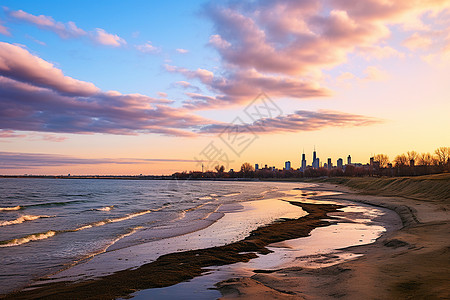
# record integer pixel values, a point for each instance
(49, 225)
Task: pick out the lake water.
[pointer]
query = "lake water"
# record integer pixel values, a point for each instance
(47, 225)
(70, 229)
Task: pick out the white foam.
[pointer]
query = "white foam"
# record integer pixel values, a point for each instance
(22, 219)
(29, 238)
(10, 208)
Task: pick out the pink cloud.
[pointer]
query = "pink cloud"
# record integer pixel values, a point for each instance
(242, 86)
(182, 51)
(417, 41)
(67, 30)
(104, 38)
(4, 30)
(10, 134)
(147, 48)
(301, 121)
(283, 47)
(18, 64)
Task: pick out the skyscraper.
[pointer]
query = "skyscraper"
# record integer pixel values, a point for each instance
(287, 165)
(340, 163)
(303, 161)
(329, 164)
(314, 159)
(349, 160)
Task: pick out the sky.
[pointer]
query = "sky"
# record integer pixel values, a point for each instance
(156, 87)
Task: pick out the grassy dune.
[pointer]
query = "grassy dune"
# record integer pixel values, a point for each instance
(430, 187)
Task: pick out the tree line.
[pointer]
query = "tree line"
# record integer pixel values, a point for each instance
(410, 163)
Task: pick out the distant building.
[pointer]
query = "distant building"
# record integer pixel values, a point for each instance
(325, 165)
(340, 163)
(303, 161)
(256, 167)
(265, 166)
(349, 160)
(287, 165)
(329, 164)
(317, 163)
(314, 160)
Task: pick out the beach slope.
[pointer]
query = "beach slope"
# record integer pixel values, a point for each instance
(411, 263)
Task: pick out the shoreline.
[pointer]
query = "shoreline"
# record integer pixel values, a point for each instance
(410, 263)
(167, 269)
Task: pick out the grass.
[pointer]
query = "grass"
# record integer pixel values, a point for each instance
(430, 187)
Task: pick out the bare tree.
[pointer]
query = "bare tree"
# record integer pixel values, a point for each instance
(442, 155)
(247, 168)
(425, 159)
(220, 169)
(382, 159)
(401, 160)
(411, 155)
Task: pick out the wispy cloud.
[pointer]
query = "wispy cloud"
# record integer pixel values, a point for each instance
(147, 48)
(64, 30)
(182, 51)
(19, 64)
(108, 39)
(18, 160)
(4, 30)
(302, 120)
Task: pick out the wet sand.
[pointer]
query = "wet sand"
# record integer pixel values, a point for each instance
(410, 263)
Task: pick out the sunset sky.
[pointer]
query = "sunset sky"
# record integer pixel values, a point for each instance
(131, 87)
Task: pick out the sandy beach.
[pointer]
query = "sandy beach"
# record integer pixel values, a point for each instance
(410, 263)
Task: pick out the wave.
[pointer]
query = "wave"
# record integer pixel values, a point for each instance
(48, 234)
(197, 207)
(10, 208)
(232, 194)
(127, 217)
(106, 208)
(56, 203)
(28, 238)
(22, 219)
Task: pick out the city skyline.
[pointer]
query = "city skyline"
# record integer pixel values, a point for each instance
(139, 87)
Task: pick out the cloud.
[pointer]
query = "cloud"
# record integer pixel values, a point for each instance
(147, 48)
(301, 120)
(54, 103)
(104, 38)
(204, 75)
(371, 73)
(242, 86)
(4, 30)
(36, 96)
(162, 94)
(18, 64)
(182, 51)
(417, 41)
(375, 74)
(10, 134)
(379, 52)
(64, 30)
(284, 47)
(18, 160)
